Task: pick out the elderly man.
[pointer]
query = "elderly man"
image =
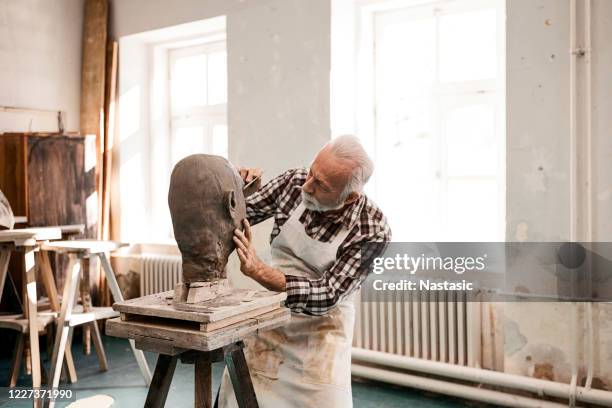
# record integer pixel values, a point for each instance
(322, 223)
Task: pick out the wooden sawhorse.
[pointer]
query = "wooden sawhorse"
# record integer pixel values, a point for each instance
(28, 241)
(77, 251)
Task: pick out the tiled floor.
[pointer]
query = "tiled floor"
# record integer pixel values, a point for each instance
(124, 384)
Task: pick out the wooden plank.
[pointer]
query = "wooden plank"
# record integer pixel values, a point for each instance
(109, 133)
(178, 336)
(93, 67)
(83, 246)
(17, 237)
(203, 327)
(160, 305)
(44, 233)
(154, 346)
(20, 323)
(212, 326)
(13, 176)
(61, 178)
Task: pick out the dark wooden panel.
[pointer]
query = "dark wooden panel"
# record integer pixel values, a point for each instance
(13, 171)
(59, 185)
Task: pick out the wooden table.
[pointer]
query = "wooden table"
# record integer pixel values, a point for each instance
(27, 241)
(215, 333)
(77, 251)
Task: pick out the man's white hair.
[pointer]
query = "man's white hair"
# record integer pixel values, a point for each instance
(348, 147)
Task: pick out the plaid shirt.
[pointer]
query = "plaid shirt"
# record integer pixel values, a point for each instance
(366, 224)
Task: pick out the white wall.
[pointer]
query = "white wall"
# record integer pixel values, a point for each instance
(538, 336)
(278, 59)
(278, 88)
(40, 62)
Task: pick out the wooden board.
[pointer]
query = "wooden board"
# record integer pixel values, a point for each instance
(60, 180)
(160, 305)
(177, 335)
(13, 170)
(17, 237)
(88, 246)
(21, 324)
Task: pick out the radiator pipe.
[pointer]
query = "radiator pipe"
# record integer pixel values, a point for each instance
(496, 398)
(539, 387)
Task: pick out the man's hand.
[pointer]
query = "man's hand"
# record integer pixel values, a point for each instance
(249, 261)
(248, 174)
(252, 266)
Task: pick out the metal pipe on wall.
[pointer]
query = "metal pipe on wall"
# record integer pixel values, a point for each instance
(479, 375)
(457, 390)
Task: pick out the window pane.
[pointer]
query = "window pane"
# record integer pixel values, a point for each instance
(217, 78)
(406, 58)
(471, 142)
(219, 140)
(188, 82)
(187, 140)
(468, 46)
(473, 211)
(408, 186)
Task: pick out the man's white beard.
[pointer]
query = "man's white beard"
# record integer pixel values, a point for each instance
(313, 204)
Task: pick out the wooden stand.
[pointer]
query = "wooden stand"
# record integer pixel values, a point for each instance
(71, 316)
(212, 333)
(28, 242)
(233, 356)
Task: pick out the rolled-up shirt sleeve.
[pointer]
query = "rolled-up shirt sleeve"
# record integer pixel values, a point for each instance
(318, 296)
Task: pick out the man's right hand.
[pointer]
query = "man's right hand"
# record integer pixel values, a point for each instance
(248, 174)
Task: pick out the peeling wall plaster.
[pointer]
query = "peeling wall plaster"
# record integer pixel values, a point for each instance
(537, 336)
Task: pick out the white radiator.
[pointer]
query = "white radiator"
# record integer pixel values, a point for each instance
(444, 328)
(159, 273)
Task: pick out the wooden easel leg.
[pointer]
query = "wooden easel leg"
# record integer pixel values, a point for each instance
(16, 362)
(203, 381)
(63, 328)
(118, 297)
(32, 315)
(72, 375)
(5, 257)
(86, 302)
(239, 374)
(160, 385)
(48, 281)
(98, 345)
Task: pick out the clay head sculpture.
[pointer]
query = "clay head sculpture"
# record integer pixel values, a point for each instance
(206, 205)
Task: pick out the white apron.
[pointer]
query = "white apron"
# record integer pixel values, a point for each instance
(306, 363)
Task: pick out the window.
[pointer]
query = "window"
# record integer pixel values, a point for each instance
(198, 100)
(172, 103)
(439, 120)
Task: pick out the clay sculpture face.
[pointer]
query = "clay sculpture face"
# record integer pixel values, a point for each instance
(206, 204)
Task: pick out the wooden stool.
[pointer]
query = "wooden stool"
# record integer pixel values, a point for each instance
(70, 316)
(213, 333)
(27, 241)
